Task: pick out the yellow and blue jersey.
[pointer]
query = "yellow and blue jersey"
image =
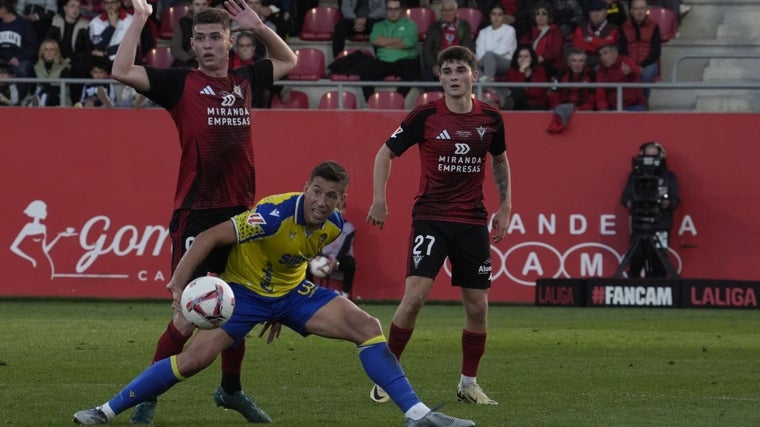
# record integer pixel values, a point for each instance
(274, 245)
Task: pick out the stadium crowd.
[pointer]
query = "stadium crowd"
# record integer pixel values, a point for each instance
(525, 41)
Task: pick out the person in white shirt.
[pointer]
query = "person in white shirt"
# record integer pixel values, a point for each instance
(495, 46)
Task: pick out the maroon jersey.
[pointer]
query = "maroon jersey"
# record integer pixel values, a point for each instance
(213, 119)
(453, 151)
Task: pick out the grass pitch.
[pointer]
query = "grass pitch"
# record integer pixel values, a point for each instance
(546, 366)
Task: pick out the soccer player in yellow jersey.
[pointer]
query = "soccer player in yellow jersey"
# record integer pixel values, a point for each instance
(271, 247)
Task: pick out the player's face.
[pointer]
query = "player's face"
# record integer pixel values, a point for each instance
(456, 78)
(321, 197)
(211, 44)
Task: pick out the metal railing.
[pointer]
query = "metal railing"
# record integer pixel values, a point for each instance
(681, 58)
(479, 87)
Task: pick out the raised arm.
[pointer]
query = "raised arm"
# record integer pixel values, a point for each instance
(282, 57)
(124, 68)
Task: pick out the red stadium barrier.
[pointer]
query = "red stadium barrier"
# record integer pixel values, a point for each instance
(104, 180)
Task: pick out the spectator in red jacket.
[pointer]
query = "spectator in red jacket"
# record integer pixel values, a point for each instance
(525, 69)
(546, 38)
(616, 68)
(640, 40)
(564, 101)
(597, 32)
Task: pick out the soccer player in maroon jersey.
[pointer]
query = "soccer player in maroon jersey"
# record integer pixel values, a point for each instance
(210, 108)
(454, 135)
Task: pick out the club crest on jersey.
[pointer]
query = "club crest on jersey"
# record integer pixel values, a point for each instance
(238, 91)
(255, 219)
(481, 131)
(416, 259)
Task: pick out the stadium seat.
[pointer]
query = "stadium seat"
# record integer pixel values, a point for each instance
(348, 77)
(426, 97)
(329, 100)
(310, 64)
(359, 38)
(423, 17)
(386, 100)
(159, 57)
(319, 23)
(169, 19)
(667, 21)
(298, 99)
(473, 17)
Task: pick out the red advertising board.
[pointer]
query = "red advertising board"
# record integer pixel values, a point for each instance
(88, 196)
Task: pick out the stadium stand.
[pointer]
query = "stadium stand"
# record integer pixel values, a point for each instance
(309, 66)
(473, 17)
(159, 57)
(319, 23)
(169, 18)
(425, 97)
(329, 101)
(666, 20)
(423, 17)
(298, 99)
(386, 100)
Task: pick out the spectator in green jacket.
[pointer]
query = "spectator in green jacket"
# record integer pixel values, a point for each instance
(395, 41)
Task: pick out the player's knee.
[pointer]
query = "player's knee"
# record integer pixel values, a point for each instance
(190, 363)
(182, 325)
(368, 328)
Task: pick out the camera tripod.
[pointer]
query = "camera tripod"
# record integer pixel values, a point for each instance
(647, 239)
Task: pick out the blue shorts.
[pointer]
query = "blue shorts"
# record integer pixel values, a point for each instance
(293, 309)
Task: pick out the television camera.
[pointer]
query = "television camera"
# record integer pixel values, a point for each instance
(646, 209)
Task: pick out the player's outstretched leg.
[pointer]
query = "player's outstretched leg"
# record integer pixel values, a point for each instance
(472, 393)
(384, 370)
(241, 402)
(91, 416)
(437, 419)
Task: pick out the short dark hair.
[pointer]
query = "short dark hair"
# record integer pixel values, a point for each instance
(212, 16)
(330, 171)
(458, 53)
(9, 5)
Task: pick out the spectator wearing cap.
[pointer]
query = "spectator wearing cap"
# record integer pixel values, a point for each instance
(640, 40)
(616, 68)
(616, 12)
(18, 43)
(597, 32)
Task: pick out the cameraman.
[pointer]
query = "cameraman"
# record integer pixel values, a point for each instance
(657, 216)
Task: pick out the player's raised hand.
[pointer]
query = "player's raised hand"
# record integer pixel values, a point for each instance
(246, 18)
(142, 8)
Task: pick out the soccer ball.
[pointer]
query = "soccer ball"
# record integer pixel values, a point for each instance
(207, 302)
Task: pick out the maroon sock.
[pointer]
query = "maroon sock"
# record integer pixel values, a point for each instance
(473, 347)
(170, 343)
(398, 338)
(232, 365)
